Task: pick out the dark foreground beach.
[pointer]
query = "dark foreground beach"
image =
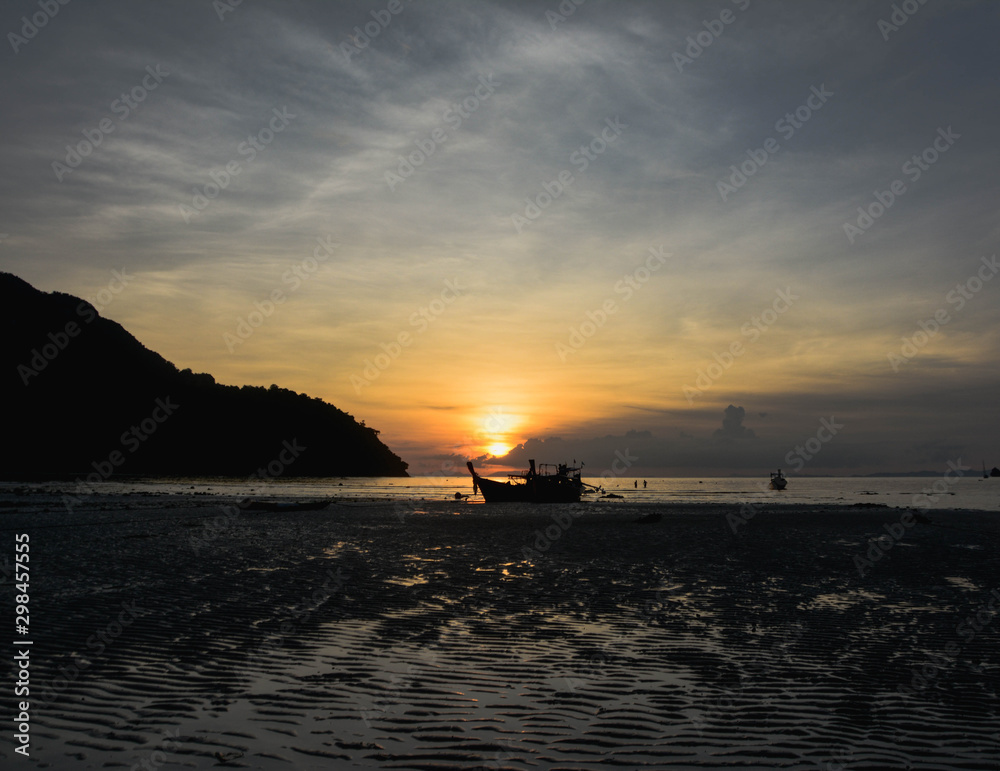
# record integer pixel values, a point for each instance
(430, 636)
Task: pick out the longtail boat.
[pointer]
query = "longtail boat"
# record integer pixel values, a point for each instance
(534, 486)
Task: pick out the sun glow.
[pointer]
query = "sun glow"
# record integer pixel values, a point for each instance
(494, 431)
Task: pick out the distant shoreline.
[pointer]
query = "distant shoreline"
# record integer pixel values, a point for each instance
(69, 476)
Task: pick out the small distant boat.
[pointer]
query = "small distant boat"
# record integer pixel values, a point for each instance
(561, 486)
(778, 482)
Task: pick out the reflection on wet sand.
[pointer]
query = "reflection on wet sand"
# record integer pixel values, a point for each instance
(451, 642)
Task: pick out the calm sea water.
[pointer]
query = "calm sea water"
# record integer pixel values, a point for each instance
(969, 492)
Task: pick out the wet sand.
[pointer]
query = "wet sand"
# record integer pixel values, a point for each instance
(453, 636)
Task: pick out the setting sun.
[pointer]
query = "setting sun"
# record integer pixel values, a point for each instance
(497, 450)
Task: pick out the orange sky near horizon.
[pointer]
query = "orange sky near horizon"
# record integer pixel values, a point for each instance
(436, 396)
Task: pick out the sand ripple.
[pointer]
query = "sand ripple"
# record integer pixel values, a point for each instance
(450, 640)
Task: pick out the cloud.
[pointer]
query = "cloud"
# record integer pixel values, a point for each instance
(732, 425)
(656, 184)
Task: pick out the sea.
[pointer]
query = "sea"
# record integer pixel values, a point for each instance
(942, 492)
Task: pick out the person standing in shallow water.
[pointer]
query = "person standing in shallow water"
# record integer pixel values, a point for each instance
(636, 483)
(643, 484)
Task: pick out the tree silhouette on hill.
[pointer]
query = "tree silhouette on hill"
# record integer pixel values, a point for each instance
(79, 389)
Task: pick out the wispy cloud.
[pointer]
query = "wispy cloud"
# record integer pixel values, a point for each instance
(556, 86)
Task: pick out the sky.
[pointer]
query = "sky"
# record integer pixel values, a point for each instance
(671, 239)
